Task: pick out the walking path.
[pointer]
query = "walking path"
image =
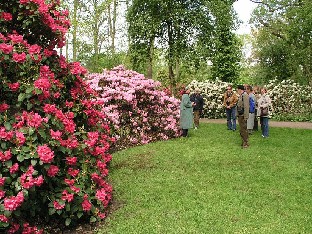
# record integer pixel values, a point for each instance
(272, 123)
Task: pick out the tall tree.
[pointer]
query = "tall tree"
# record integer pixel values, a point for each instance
(174, 26)
(226, 47)
(283, 39)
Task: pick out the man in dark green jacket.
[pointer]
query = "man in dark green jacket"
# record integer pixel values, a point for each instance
(243, 114)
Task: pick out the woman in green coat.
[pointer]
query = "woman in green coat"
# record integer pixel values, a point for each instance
(186, 113)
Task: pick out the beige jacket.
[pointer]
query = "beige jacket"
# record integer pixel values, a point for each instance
(243, 102)
(264, 101)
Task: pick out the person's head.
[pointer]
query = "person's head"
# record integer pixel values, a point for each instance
(229, 90)
(248, 89)
(263, 90)
(240, 89)
(197, 90)
(187, 90)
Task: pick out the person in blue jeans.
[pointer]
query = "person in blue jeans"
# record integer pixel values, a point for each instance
(229, 102)
(264, 102)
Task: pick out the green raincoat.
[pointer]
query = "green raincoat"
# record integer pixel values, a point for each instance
(186, 112)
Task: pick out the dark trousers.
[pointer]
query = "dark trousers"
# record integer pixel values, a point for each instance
(243, 129)
(184, 132)
(256, 124)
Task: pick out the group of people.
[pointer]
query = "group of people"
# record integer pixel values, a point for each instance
(246, 105)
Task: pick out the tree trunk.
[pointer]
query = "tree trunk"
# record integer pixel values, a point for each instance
(74, 25)
(170, 59)
(150, 59)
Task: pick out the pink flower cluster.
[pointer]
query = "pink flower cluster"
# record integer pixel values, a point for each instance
(136, 105)
(28, 181)
(13, 202)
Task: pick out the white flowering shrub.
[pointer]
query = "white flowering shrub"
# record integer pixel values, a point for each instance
(290, 101)
(212, 93)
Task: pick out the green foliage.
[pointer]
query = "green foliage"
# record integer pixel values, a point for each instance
(282, 40)
(97, 63)
(207, 184)
(190, 34)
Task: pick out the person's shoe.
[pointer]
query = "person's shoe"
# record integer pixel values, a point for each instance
(196, 128)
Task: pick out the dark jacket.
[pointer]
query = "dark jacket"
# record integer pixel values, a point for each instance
(198, 100)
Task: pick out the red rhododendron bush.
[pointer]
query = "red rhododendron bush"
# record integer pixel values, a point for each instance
(138, 108)
(53, 137)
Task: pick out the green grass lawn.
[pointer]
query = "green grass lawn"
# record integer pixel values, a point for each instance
(207, 184)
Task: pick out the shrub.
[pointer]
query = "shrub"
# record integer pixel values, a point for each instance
(54, 140)
(139, 110)
(291, 101)
(212, 92)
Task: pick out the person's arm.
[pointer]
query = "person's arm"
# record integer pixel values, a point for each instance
(186, 102)
(224, 100)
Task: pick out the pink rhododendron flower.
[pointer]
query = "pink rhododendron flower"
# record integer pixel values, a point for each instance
(2, 194)
(5, 156)
(14, 228)
(15, 38)
(33, 120)
(2, 181)
(4, 107)
(20, 138)
(86, 204)
(69, 104)
(34, 49)
(56, 95)
(14, 168)
(77, 69)
(13, 202)
(27, 229)
(42, 83)
(4, 219)
(55, 134)
(14, 86)
(66, 196)
(45, 154)
(58, 206)
(75, 189)
(6, 16)
(102, 196)
(101, 215)
(69, 182)
(53, 170)
(5, 48)
(49, 109)
(19, 58)
(5, 135)
(27, 179)
(73, 172)
(72, 161)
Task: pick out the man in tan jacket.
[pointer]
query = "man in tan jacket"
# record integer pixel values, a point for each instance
(243, 114)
